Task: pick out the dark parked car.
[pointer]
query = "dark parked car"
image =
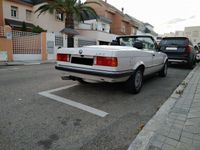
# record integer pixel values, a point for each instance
(197, 49)
(179, 50)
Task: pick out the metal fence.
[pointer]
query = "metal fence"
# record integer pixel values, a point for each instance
(26, 42)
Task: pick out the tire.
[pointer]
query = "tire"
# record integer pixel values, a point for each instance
(192, 64)
(163, 72)
(135, 82)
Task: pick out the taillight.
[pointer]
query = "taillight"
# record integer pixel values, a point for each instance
(106, 61)
(188, 49)
(63, 57)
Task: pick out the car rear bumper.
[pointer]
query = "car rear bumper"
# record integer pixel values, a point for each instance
(96, 75)
(178, 60)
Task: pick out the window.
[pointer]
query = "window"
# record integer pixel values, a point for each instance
(28, 15)
(14, 11)
(59, 16)
(133, 31)
(58, 41)
(123, 29)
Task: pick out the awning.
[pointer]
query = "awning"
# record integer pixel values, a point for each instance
(69, 31)
(18, 24)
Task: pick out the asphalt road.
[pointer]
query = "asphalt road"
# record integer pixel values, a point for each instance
(29, 121)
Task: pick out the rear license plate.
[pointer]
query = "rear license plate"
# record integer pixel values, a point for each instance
(82, 61)
(171, 48)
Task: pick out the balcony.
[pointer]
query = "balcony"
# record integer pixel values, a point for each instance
(85, 26)
(97, 35)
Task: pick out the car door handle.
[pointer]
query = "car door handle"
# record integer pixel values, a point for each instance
(153, 54)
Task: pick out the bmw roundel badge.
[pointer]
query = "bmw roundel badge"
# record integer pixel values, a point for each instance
(80, 52)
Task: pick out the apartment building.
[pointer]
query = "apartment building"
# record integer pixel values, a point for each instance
(193, 33)
(179, 33)
(19, 12)
(16, 13)
(117, 21)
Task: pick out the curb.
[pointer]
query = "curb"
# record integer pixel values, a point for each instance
(2, 63)
(27, 63)
(142, 140)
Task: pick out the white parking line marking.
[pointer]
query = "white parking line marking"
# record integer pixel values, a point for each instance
(72, 103)
(61, 88)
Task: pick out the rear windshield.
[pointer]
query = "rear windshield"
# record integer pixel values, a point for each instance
(171, 42)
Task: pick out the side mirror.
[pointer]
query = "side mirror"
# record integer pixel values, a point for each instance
(114, 42)
(138, 45)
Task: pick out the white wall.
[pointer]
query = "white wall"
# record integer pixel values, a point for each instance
(50, 37)
(97, 35)
(47, 21)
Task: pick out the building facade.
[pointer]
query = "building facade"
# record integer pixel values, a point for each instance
(193, 33)
(119, 22)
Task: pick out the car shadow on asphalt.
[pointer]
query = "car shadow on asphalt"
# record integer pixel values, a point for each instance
(179, 66)
(118, 87)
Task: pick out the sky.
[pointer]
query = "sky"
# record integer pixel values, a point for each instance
(165, 15)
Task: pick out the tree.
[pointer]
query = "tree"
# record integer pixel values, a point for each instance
(72, 10)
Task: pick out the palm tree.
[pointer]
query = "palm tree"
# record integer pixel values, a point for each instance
(72, 10)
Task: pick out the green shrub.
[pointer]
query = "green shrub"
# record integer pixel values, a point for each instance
(38, 29)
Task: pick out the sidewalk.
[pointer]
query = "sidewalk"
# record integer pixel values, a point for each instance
(176, 126)
(19, 63)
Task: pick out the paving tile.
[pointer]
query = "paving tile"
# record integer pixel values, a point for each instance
(196, 109)
(194, 115)
(180, 110)
(163, 132)
(189, 129)
(186, 140)
(196, 137)
(168, 147)
(158, 137)
(157, 144)
(181, 118)
(174, 135)
(189, 123)
(171, 142)
(195, 121)
(196, 130)
(196, 145)
(192, 129)
(175, 126)
(182, 146)
(172, 117)
(187, 135)
(152, 147)
(195, 106)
